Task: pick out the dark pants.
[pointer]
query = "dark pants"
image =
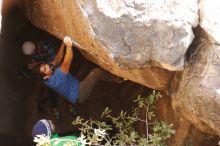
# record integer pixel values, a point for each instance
(53, 97)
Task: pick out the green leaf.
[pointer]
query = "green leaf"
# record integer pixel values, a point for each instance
(106, 112)
(150, 115)
(155, 139)
(140, 104)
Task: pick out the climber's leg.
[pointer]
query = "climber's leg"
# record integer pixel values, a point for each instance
(87, 85)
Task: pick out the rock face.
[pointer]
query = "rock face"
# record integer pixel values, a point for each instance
(209, 12)
(146, 42)
(129, 39)
(135, 34)
(196, 97)
(0, 15)
(6, 6)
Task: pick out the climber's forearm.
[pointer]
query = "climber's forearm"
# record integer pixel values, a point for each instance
(65, 66)
(59, 55)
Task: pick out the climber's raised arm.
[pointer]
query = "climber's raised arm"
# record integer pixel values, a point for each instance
(57, 60)
(65, 65)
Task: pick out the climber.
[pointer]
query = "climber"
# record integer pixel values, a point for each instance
(59, 79)
(41, 51)
(44, 132)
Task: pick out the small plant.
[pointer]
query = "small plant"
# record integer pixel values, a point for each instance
(188, 142)
(97, 133)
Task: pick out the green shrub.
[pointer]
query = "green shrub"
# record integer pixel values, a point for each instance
(94, 132)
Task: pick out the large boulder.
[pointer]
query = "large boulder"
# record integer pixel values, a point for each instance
(196, 97)
(137, 40)
(137, 33)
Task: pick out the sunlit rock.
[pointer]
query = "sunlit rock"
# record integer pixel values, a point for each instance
(140, 32)
(210, 22)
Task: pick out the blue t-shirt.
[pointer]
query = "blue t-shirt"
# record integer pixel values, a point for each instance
(65, 84)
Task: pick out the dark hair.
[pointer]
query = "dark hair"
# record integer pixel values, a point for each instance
(52, 67)
(38, 75)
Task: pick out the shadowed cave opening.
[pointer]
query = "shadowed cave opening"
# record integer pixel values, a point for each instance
(18, 95)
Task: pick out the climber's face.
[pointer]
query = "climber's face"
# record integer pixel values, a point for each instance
(45, 68)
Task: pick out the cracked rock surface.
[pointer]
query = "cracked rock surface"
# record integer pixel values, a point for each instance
(196, 97)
